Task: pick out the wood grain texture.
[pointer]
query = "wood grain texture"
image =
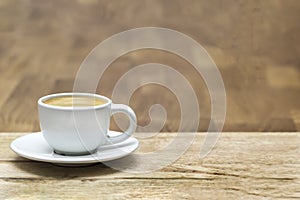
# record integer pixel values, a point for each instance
(254, 43)
(241, 166)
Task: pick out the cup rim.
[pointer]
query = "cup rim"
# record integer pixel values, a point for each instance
(43, 98)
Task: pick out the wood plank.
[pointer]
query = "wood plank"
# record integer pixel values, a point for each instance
(229, 141)
(147, 189)
(248, 165)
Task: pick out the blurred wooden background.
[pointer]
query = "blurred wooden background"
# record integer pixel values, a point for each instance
(255, 44)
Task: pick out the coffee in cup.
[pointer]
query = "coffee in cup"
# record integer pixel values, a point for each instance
(75, 101)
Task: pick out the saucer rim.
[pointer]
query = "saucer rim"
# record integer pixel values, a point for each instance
(63, 160)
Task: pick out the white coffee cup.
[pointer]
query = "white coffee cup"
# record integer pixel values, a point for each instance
(81, 130)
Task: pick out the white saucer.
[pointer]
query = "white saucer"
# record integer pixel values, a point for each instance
(33, 146)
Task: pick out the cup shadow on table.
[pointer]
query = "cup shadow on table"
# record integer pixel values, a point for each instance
(50, 170)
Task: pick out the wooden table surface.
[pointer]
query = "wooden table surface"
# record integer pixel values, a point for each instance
(241, 166)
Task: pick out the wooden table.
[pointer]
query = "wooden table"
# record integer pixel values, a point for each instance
(241, 166)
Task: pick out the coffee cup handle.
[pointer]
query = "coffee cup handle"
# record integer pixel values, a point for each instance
(121, 108)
